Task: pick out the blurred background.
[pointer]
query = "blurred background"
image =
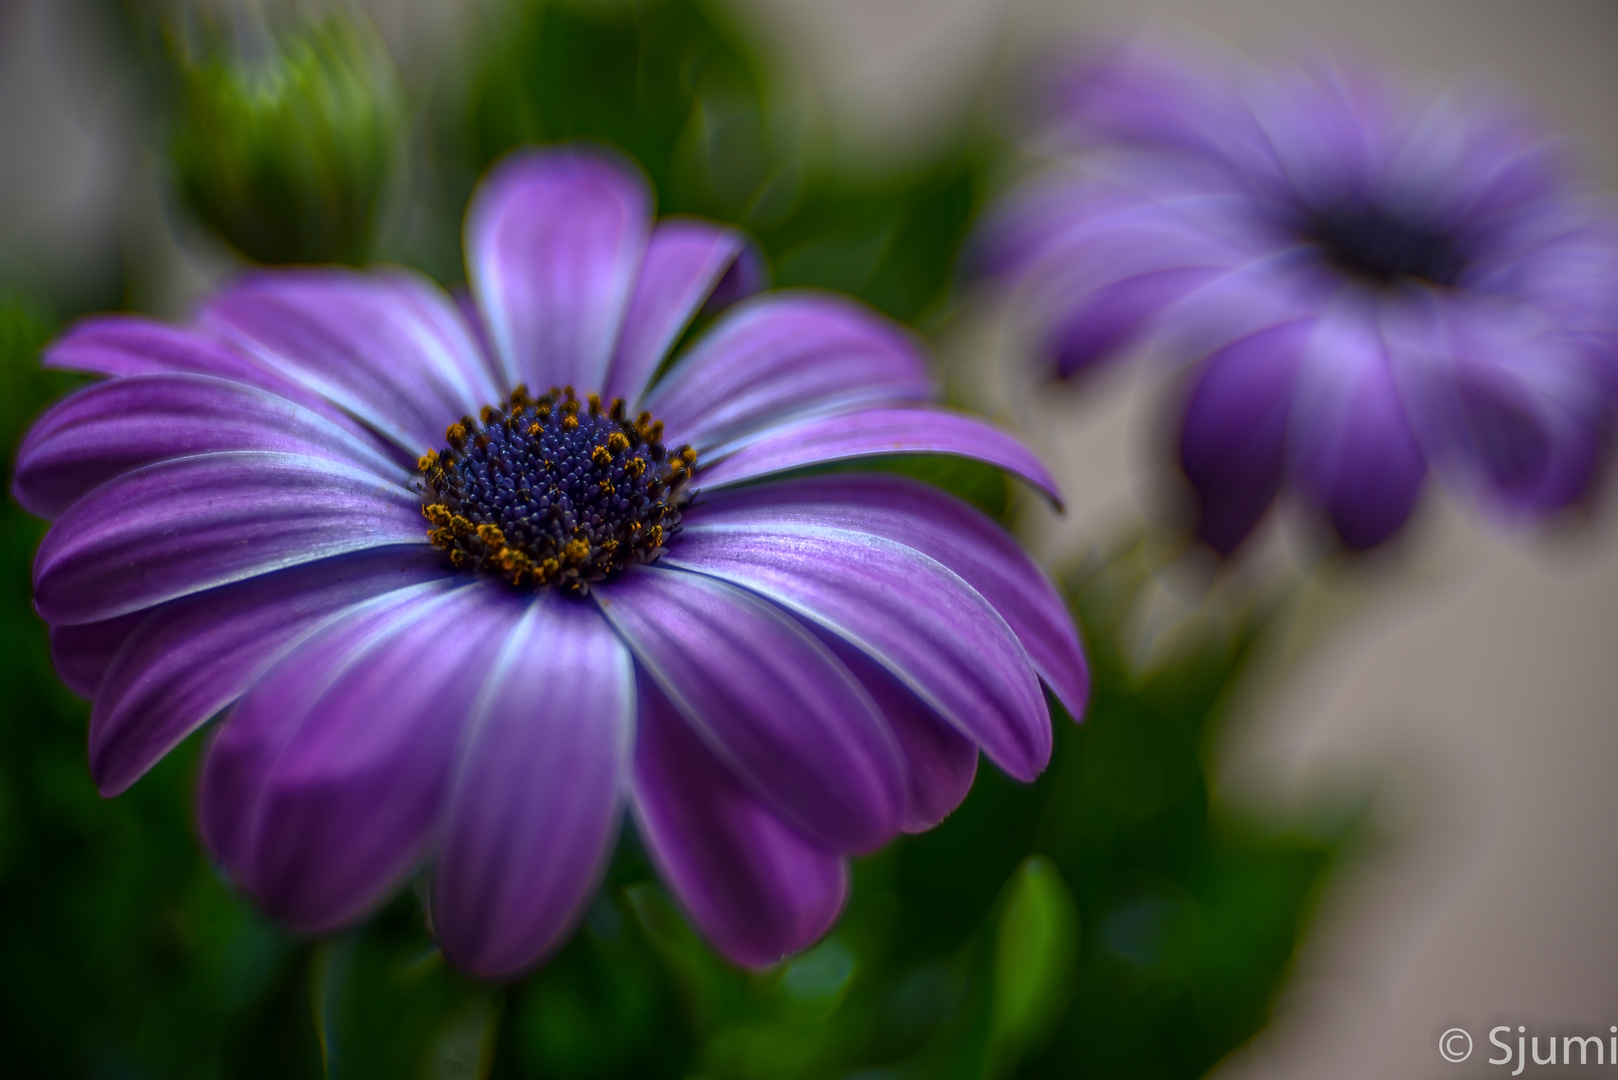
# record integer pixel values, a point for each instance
(1312, 821)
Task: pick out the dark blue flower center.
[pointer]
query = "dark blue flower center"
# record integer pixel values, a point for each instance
(550, 491)
(1380, 247)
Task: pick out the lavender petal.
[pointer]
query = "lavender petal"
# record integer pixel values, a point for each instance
(873, 432)
(554, 241)
(786, 354)
(685, 260)
(910, 613)
(940, 527)
(183, 526)
(1350, 445)
(192, 657)
(773, 703)
(535, 805)
(757, 889)
(389, 348)
(118, 426)
(323, 789)
(1233, 438)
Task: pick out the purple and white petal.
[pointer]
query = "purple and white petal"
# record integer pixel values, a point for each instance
(874, 432)
(82, 652)
(940, 762)
(685, 260)
(115, 427)
(910, 613)
(554, 244)
(182, 526)
(943, 528)
(388, 348)
(772, 701)
(192, 657)
(785, 355)
(363, 730)
(757, 889)
(250, 741)
(535, 805)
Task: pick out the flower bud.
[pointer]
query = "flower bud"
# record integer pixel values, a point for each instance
(285, 155)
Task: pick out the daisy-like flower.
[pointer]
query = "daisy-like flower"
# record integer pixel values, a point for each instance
(448, 574)
(1367, 283)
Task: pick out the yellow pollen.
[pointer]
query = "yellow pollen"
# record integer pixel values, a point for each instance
(601, 456)
(576, 551)
(492, 535)
(455, 435)
(427, 460)
(533, 429)
(569, 422)
(635, 466)
(617, 442)
(595, 404)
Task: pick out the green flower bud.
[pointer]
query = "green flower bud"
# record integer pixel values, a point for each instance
(286, 155)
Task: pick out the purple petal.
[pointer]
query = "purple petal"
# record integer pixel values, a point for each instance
(1105, 323)
(940, 763)
(1350, 445)
(535, 806)
(754, 887)
(874, 433)
(118, 426)
(1507, 405)
(785, 354)
(1233, 440)
(194, 656)
(554, 242)
(909, 612)
(124, 345)
(342, 754)
(389, 348)
(83, 652)
(943, 528)
(685, 260)
(182, 526)
(769, 698)
(253, 735)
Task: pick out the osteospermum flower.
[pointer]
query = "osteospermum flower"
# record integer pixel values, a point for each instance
(1367, 282)
(460, 603)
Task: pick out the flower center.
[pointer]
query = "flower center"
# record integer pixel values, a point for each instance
(548, 491)
(1374, 244)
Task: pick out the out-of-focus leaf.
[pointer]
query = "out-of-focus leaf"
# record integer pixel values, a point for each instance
(386, 1006)
(1036, 950)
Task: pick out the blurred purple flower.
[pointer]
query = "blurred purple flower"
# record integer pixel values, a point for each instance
(1366, 283)
(774, 676)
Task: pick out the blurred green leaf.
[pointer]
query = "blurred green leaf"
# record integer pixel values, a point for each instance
(385, 1005)
(1036, 950)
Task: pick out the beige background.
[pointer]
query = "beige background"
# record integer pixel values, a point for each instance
(1472, 679)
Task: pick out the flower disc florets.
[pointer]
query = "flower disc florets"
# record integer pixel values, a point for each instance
(1383, 248)
(551, 491)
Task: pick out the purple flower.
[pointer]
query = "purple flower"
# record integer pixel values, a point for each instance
(1365, 282)
(460, 604)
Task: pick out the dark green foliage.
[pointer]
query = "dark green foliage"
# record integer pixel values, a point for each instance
(674, 88)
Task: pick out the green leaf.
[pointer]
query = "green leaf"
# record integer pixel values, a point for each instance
(1036, 953)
